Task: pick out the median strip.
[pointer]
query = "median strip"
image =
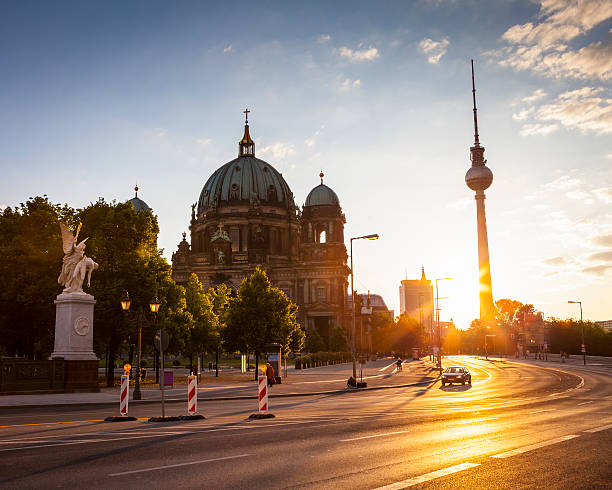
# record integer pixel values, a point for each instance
(428, 476)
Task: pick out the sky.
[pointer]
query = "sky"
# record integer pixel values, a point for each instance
(98, 96)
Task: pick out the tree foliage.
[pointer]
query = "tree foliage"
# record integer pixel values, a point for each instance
(261, 314)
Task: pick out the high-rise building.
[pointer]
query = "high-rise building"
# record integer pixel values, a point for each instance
(479, 178)
(416, 300)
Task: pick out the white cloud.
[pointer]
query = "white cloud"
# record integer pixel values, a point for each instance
(602, 240)
(538, 129)
(563, 183)
(366, 54)
(203, 141)
(323, 38)
(579, 195)
(604, 194)
(556, 261)
(227, 49)
(278, 151)
(313, 139)
(348, 84)
(601, 256)
(580, 109)
(434, 49)
(538, 94)
(597, 270)
(523, 114)
(160, 132)
(542, 45)
(3, 207)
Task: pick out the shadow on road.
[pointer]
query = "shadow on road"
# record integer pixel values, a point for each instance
(458, 388)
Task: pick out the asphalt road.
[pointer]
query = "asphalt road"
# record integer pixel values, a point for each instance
(518, 426)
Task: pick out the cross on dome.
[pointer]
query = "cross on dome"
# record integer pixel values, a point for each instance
(246, 115)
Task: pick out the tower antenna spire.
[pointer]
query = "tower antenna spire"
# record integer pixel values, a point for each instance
(476, 142)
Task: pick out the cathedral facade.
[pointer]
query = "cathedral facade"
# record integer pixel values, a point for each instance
(246, 217)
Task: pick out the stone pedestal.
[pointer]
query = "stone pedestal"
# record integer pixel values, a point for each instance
(74, 327)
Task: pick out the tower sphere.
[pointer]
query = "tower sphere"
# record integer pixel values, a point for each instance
(479, 178)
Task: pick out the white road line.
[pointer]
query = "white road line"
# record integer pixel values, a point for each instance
(597, 429)
(544, 410)
(165, 467)
(476, 421)
(428, 476)
(531, 447)
(387, 367)
(584, 403)
(375, 435)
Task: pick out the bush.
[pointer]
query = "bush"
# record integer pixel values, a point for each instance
(143, 364)
(176, 363)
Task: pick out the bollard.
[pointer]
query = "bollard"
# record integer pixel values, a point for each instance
(124, 397)
(262, 400)
(192, 400)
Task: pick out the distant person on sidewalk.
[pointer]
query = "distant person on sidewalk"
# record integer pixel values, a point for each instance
(270, 374)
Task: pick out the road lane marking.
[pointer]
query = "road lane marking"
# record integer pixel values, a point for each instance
(375, 435)
(475, 421)
(387, 367)
(597, 429)
(428, 476)
(531, 447)
(584, 403)
(51, 423)
(165, 467)
(544, 410)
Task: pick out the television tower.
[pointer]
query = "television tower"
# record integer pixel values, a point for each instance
(479, 178)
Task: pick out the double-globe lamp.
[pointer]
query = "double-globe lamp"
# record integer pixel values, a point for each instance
(126, 302)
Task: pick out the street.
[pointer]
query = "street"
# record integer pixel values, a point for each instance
(519, 425)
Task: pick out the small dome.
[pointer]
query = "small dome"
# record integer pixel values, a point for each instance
(322, 195)
(137, 203)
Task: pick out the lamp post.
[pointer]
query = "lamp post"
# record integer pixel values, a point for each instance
(486, 350)
(583, 347)
(154, 306)
(438, 323)
(369, 237)
(126, 302)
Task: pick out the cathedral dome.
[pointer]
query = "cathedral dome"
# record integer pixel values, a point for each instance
(245, 180)
(322, 195)
(137, 203)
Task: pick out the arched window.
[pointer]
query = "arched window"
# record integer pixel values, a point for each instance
(322, 237)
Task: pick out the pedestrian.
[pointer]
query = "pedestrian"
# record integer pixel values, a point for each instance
(270, 374)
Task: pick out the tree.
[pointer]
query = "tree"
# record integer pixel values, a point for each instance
(31, 252)
(258, 315)
(204, 321)
(338, 341)
(124, 243)
(314, 341)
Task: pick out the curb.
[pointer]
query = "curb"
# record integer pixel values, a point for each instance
(223, 398)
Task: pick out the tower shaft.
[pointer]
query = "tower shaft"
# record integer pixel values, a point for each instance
(484, 268)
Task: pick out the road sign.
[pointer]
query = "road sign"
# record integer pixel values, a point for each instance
(127, 367)
(583, 348)
(161, 334)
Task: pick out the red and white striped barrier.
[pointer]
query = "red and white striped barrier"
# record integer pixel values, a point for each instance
(192, 395)
(263, 394)
(125, 396)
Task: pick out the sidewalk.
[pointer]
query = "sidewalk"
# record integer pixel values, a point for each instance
(378, 374)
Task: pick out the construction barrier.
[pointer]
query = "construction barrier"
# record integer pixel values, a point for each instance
(125, 396)
(192, 395)
(263, 394)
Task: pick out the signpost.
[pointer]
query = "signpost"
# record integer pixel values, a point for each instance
(161, 340)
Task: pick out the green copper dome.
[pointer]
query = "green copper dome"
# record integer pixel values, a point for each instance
(245, 180)
(322, 195)
(137, 203)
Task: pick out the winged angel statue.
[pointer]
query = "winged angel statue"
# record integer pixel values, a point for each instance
(76, 265)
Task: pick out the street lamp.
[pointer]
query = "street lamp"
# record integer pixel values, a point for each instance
(438, 324)
(374, 236)
(583, 348)
(126, 302)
